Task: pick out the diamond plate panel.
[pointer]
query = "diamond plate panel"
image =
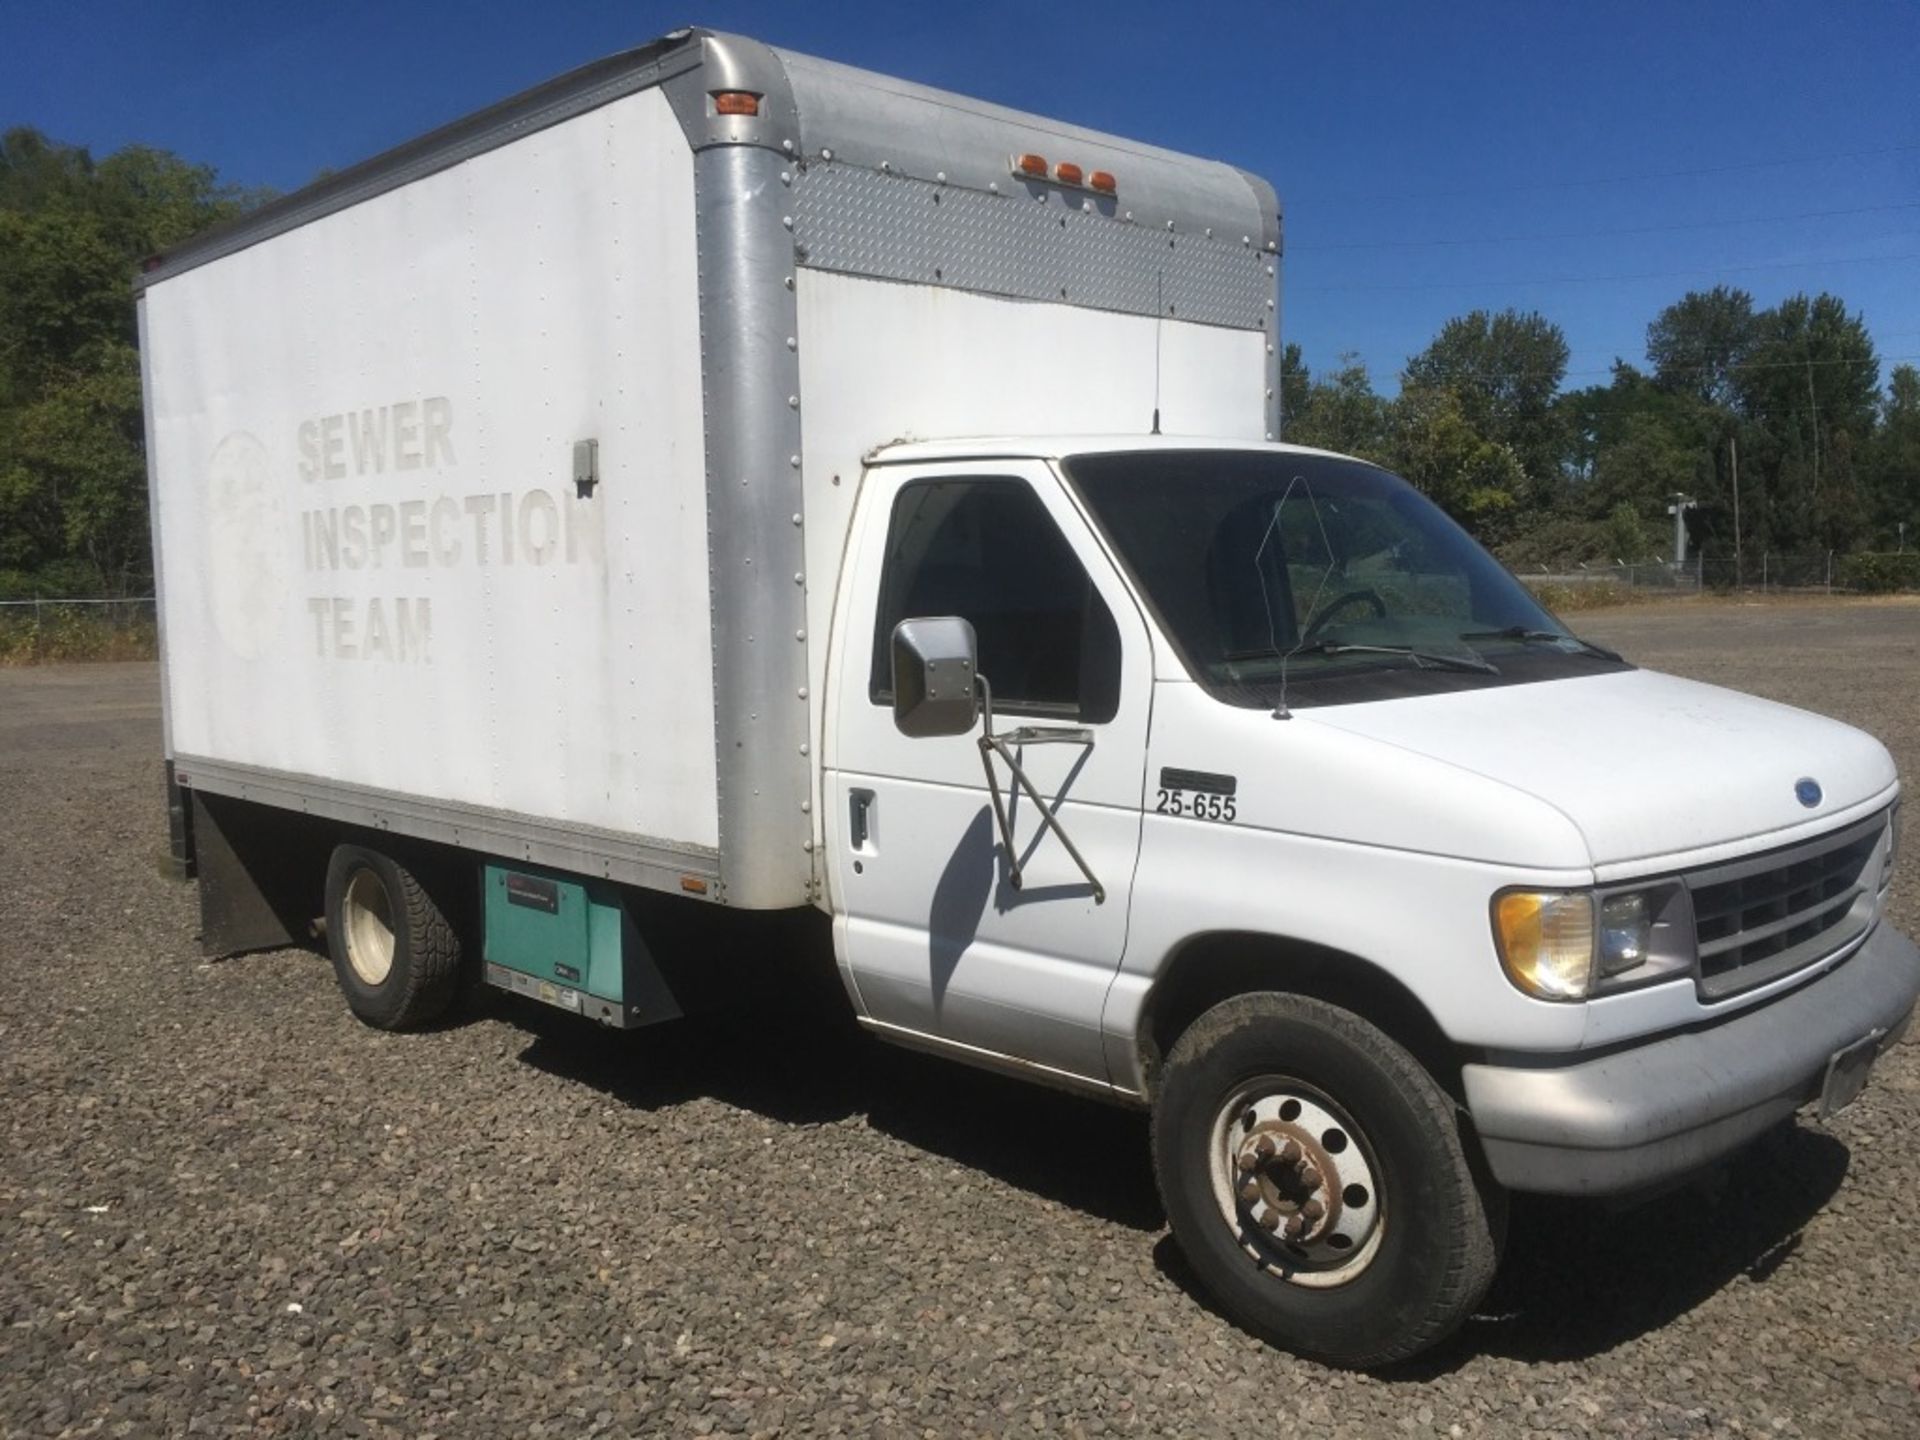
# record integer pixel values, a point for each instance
(863, 222)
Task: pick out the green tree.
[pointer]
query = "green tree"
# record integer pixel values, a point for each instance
(1894, 462)
(1342, 412)
(1506, 369)
(1436, 446)
(1698, 344)
(1295, 380)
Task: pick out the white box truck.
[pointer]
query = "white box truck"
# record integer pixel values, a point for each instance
(723, 478)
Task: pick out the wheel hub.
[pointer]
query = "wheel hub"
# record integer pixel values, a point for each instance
(1297, 1185)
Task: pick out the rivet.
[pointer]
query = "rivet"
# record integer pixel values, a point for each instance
(1129, 215)
(792, 343)
(1209, 232)
(786, 177)
(787, 145)
(1169, 225)
(1269, 394)
(787, 220)
(796, 517)
(826, 154)
(798, 578)
(803, 747)
(793, 402)
(806, 807)
(807, 845)
(886, 167)
(1087, 205)
(940, 177)
(794, 461)
(1269, 304)
(803, 692)
(1269, 349)
(1246, 239)
(788, 282)
(993, 187)
(800, 635)
(1269, 270)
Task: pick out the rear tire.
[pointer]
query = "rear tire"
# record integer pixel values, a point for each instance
(395, 954)
(1316, 1180)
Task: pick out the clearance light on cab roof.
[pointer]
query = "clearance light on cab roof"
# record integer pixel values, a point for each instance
(1068, 173)
(735, 102)
(1031, 165)
(1102, 180)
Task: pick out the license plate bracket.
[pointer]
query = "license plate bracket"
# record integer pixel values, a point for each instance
(1847, 1071)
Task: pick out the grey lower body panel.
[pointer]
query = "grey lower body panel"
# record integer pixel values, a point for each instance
(1638, 1117)
(578, 849)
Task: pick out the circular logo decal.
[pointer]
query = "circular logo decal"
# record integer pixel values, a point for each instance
(1807, 791)
(246, 563)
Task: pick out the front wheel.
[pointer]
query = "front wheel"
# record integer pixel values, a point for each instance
(1316, 1181)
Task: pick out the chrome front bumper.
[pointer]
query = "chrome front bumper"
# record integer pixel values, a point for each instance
(1652, 1112)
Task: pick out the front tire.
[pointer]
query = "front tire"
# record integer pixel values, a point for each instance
(1316, 1180)
(395, 954)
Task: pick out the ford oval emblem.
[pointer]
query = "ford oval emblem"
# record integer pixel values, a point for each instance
(1807, 791)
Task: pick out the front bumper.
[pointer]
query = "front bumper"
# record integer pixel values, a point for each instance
(1649, 1113)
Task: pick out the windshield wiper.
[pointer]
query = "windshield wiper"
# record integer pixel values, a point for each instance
(1521, 632)
(1426, 659)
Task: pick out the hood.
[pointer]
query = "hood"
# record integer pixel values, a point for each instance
(1643, 764)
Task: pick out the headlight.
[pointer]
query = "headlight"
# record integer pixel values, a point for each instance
(1570, 944)
(1546, 941)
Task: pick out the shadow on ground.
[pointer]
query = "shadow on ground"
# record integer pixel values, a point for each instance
(1580, 1278)
(821, 1068)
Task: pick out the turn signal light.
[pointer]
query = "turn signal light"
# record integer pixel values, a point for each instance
(736, 102)
(1102, 180)
(1068, 173)
(1034, 165)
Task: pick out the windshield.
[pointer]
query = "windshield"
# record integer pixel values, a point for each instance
(1311, 579)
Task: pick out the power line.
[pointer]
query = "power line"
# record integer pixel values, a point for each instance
(1614, 279)
(1597, 234)
(1624, 179)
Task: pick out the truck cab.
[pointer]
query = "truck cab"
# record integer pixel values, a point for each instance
(1238, 781)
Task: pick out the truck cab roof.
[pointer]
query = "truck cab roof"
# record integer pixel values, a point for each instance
(1062, 447)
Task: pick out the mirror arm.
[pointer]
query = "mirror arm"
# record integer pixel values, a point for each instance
(991, 745)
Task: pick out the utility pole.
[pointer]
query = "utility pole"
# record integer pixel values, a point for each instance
(1733, 452)
(1678, 510)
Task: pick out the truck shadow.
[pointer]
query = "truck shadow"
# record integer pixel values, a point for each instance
(825, 1070)
(1580, 1278)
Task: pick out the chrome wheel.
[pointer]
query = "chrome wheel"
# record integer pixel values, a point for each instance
(1295, 1181)
(368, 913)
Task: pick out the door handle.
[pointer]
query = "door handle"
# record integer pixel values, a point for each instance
(859, 824)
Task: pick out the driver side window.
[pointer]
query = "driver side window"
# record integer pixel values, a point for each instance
(988, 551)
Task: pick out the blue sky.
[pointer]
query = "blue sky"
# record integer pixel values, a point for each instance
(1593, 161)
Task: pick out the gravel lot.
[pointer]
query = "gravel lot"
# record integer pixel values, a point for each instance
(227, 1208)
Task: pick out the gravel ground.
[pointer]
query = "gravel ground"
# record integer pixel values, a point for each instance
(227, 1208)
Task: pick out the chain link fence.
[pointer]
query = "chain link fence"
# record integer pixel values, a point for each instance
(1823, 572)
(120, 628)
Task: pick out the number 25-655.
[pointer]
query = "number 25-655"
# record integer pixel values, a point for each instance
(1195, 807)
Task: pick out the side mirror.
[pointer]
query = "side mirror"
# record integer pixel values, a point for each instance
(934, 663)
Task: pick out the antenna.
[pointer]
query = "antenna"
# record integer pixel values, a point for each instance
(1159, 323)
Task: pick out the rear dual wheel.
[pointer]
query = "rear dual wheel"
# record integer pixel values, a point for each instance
(395, 954)
(1317, 1182)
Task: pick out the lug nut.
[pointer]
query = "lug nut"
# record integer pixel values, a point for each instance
(1263, 1147)
(1290, 1153)
(1249, 1192)
(1296, 1227)
(1309, 1176)
(1268, 1219)
(1312, 1210)
(1247, 1160)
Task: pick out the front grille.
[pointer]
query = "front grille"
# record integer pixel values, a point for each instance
(1766, 916)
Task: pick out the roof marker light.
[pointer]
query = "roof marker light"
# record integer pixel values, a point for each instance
(1103, 181)
(735, 102)
(1068, 173)
(1031, 165)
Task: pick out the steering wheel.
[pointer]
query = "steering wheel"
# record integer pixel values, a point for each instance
(1340, 602)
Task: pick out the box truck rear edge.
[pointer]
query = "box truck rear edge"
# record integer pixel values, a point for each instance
(568, 521)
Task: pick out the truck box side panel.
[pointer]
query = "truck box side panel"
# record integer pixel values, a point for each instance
(380, 572)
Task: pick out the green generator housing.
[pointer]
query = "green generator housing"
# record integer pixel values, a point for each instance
(572, 944)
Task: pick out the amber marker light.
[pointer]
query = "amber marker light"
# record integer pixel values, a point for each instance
(1103, 181)
(1034, 166)
(1067, 173)
(736, 102)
